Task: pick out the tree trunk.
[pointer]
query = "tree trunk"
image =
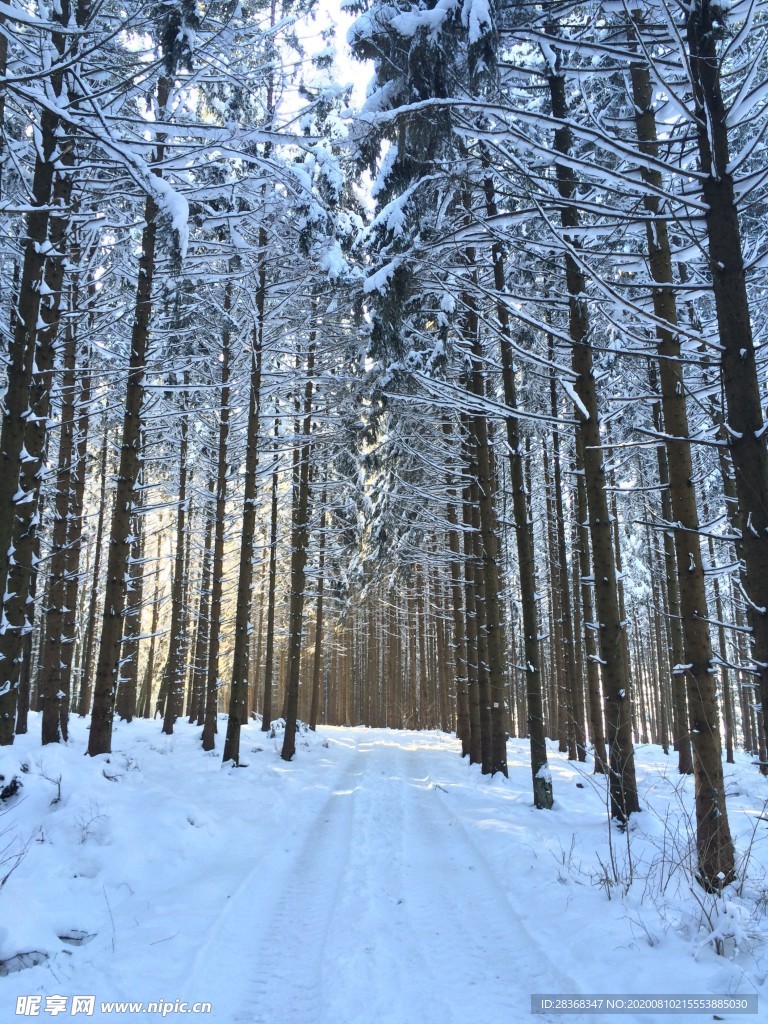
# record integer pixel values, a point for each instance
(145, 693)
(680, 722)
(470, 604)
(488, 581)
(741, 384)
(573, 688)
(713, 838)
(243, 612)
(18, 603)
(172, 686)
(125, 700)
(220, 515)
(58, 641)
(542, 779)
(34, 326)
(616, 687)
(459, 626)
(299, 544)
(108, 665)
(269, 644)
(317, 666)
(203, 635)
(86, 672)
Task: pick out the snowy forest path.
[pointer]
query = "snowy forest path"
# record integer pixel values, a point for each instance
(381, 907)
(377, 878)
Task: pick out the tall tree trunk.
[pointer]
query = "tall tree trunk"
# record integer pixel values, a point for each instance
(542, 779)
(125, 699)
(108, 665)
(616, 685)
(741, 384)
(317, 666)
(58, 640)
(26, 323)
(489, 592)
(488, 575)
(269, 643)
(299, 544)
(172, 687)
(470, 604)
(574, 686)
(561, 701)
(74, 593)
(34, 326)
(19, 569)
(144, 705)
(681, 724)
(219, 528)
(203, 635)
(89, 645)
(713, 837)
(243, 612)
(459, 626)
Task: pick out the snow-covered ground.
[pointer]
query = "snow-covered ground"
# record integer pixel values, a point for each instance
(376, 879)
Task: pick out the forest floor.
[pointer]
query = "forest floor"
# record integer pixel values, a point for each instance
(376, 879)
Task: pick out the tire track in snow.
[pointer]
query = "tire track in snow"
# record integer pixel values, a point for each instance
(383, 909)
(501, 948)
(287, 968)
(264, 951)
(481, 952)
(432, 937)
(374, 962)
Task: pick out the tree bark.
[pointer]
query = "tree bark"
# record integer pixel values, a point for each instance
(713, 839)
(243, 612)
(172, 686)
(616, 685)
(741, 385)
(299, 545)
(108, 665)
(317, 666)
(269, 643)
(219, 527)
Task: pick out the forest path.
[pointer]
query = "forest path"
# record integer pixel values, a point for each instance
(380, 908)
(377, 878)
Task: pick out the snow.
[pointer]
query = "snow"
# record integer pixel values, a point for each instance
(477, 19)
(378, 281)
(333, 262)
(377, 877)
(408, 24)
(176, 207)
(571, 392)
